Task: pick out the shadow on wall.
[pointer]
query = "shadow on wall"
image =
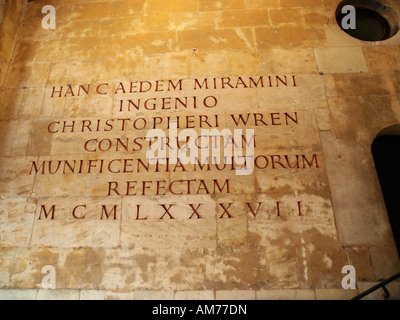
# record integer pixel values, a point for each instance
(11, 14)
(2, 10)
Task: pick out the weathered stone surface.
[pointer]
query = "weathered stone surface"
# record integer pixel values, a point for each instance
(16, 222)
(140, 295)
(15, 180)
(79, 268)
(335, 294)
(7, 262)
(18, 294)
(289, 294)
(57, 295)
(194, 295)
(92, 295)
(393, 288)
(78, 223)
(235, 295)
(340, 60)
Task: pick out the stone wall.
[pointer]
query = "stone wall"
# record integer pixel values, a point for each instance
(2, 10)
(11, 15)
(75, 197)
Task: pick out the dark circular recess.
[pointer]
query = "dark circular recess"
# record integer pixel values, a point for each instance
(374, 21)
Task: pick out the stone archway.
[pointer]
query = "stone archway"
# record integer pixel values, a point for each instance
(386, 153)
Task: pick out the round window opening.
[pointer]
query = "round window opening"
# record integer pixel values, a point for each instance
(367, 20)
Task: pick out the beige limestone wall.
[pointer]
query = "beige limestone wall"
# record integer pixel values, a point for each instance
(2, 10)
(11, 16)
(283, 232)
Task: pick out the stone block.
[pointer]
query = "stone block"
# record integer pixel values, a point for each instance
(150, 269)
(297, 3)
(294, 60)
(382, 58)
(235, 295)
(209, 5)
(379, 294)
(194, 295)
(239, 18)
(16, 144)
(123, 8)
(7, 256)
(385, 261)
(344, 159)
(153, 295)
(16, 180)
(193, 20)
(289, 36)
(148, 224)
(85, 222)
(360, 258)
(215, 39)
(92, 295)
(16, 294)
(157, 6)
(324, 119)
(254, 4)
(288, 294)
(340, 60)
(75, 29)
(336, 37)
(74, 269)
(276, 294)
(317, 16)
(97, 10)
(43, 294)
(16, 221)
(255, 269)
(15, 103)
(22, 75)
(305, 294)
(140, 295)
(286, 15)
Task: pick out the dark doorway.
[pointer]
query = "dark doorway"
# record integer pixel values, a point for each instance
(386, 152)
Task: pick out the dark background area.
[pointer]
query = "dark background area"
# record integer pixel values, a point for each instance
(386, 152)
